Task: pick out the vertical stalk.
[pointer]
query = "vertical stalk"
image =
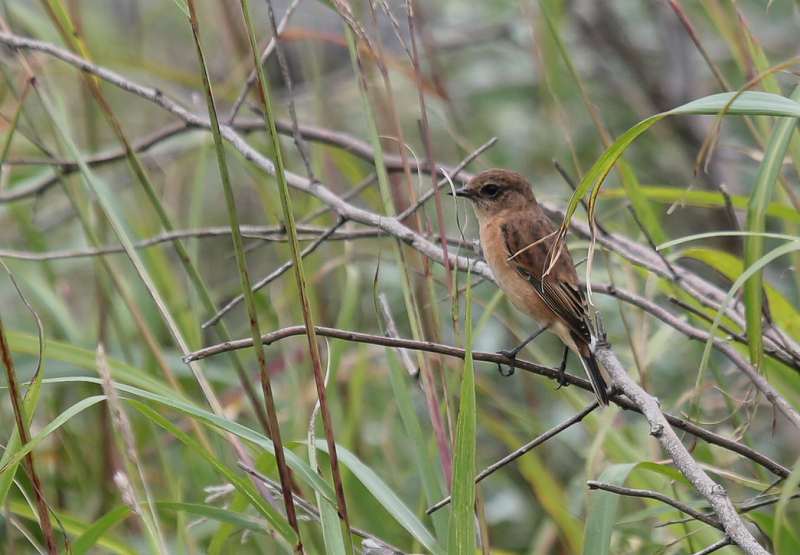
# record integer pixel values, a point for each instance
(230, 201)
(286, 206)
(24, 437)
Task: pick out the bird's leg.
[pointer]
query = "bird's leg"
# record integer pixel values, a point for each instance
(562, 369)
(512, 354)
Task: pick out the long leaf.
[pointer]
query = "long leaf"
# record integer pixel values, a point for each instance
(461, 537)
(755, 267)
(243, 486)
(703, 199)
(747, 103)
(386, 497)
(763, 190)
(602, 511)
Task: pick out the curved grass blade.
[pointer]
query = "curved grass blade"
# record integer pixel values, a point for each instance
(386, 497)
(301, 469)
(51, 427)
(766, 181)
(746, 103)
(783, 311)
(784, 249)
(276, 520)
(74, 526)
(93, 534)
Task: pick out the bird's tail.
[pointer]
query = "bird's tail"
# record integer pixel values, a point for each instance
(595, 377)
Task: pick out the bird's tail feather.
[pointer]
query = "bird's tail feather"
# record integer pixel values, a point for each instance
(595, 377)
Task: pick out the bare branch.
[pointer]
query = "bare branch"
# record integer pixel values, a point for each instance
(714, 493)
(649, 494)
(517, 453)
(495, 358)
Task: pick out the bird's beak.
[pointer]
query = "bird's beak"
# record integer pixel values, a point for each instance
(462, 192)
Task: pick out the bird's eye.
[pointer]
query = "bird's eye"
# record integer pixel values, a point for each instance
(490, 190)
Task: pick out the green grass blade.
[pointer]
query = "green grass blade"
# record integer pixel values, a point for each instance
(386, 497)
(703, 199)
(462, 518)
(74, 526)
(98, 529)
(784, 249)
(276, 519)
(747, 103)
(51, 427)
(787, 489)
(271, 129)
(763, 190)
(784, 312)
(602, 511)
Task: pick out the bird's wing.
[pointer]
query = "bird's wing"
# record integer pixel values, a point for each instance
(559, 289)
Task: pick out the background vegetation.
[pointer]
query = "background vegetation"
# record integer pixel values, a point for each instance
(136, 451)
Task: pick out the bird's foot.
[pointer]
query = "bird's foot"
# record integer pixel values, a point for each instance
(562, 370)
(507, 371)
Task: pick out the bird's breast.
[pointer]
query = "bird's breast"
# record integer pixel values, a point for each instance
(520, 292)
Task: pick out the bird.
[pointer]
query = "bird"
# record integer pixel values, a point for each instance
(516, 237)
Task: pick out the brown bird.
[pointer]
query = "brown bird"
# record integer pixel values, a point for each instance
(516, 237)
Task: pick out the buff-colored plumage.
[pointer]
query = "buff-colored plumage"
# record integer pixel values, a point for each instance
(516, 237)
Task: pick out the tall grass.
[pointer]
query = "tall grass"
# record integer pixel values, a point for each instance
(629, 94)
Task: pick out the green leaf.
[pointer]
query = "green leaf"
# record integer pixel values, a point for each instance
(79, 357)
(461, 538)
(756, 266)
(602, 511)
(783, 311)
(75, 527)
(385, 496)
(603, 505)
(276, 519)
(641, 204)
(98, 528)
(703, 199)
(301, 469)
(767, 178)
(51, 427)
(747, 103)
(787, 489)
(216, 513)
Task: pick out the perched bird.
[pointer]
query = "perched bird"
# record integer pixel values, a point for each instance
(516, 237)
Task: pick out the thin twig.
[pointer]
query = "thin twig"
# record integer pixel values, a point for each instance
(517, 453)
(449, 175)
(649, 494)
(251, 78)
(652, 243)
(275, 274)
(261, 233)
(716, 546)
(494, 358)
(772, 395)
(713, 492)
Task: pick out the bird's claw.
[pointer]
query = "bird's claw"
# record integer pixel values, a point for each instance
(562, 374)
(506, 371)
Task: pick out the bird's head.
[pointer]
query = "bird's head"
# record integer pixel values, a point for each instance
(494, 191)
